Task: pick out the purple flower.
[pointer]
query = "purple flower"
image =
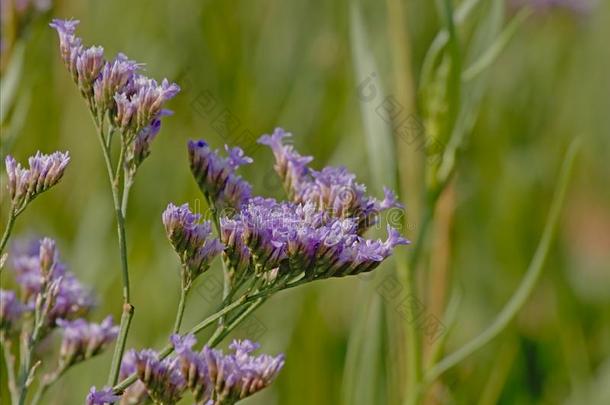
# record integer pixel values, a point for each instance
(294, 239)
(69, 45)
(10, 310)
(89, 64)
(44, 172)
(114, 77)
(83, 340)
(71, 298)
(143, 103)
(225, 377)
(333, 189)
(289, 164)
(135, 393)
(101, 397)
(216, 175)
(191, 240)
(162, 378)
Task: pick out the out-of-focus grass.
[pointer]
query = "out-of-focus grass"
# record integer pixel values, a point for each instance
(290, 64)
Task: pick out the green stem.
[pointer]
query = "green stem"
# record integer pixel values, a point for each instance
(168, 349)
(181, 305)
(7, 231)
(128, 309)
(527, 284)
(46, 383)
(414, 362)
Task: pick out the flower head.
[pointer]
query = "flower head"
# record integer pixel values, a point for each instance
(216, 175)
(225, 377)
(332, 189)
(70, 299)
(69, 44)
(44, 172)
(191, 240)
(101, 397)
(162, 378)
(295, 239)
(83, 340)
(135, 393)
(115, 76)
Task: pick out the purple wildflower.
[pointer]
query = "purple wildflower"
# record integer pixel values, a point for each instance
(101, 397)
(135, 393)
(333, 189)
(162, 378)
(225, 377)
(114, 77)
(83, 340)
(216, 176)
(69, 44)
(71, 299)
(44, 172)
(289, 164)
(191, 240)
(89, 64)
(10, 310)
(299, 239)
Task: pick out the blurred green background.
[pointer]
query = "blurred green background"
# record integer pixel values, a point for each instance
(291, 64)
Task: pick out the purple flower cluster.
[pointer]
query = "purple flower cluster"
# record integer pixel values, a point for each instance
(291, 239)
(101, 397)
(133, 102)
(218, 378)
(44, 172)
(38, 272)
(163, 380)
(83, 340)
(135, 393)
(11, 310)
(333, 189)
(216, 175)
(191, 240)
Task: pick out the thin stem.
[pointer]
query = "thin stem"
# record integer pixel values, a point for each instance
(46, 383)
(9, 359)
(181, 305)
(128, 309)
(7, 231)
(217, 338)
(414, 362)
(527, 284)
(168, 349)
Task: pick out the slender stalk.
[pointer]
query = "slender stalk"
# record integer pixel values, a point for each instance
(527, 284)
(217, 338)
(9, 359)
(181, 305)
(117, 199)
(414, 361)
(7, 231)
(46, 383)
(168, 349)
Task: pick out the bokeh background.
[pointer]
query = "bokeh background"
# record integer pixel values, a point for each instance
(293, 64)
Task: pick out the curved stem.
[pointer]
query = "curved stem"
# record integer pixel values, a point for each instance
(527, 284)
(7, 231)
(168, 349)
(46, 383)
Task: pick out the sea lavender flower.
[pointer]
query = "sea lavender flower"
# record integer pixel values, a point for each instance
(216, 175)
(239, 375)
(212, 375)
(71, 300)
(114, 77)
(191, 240)
(333, 189)
(163, 380)
(101, 397)
(69, 44)
(135, 393)
(11, 310)
(297, 239)
(289, 164)
(44, 172)
(83, 340)
(140, 105)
